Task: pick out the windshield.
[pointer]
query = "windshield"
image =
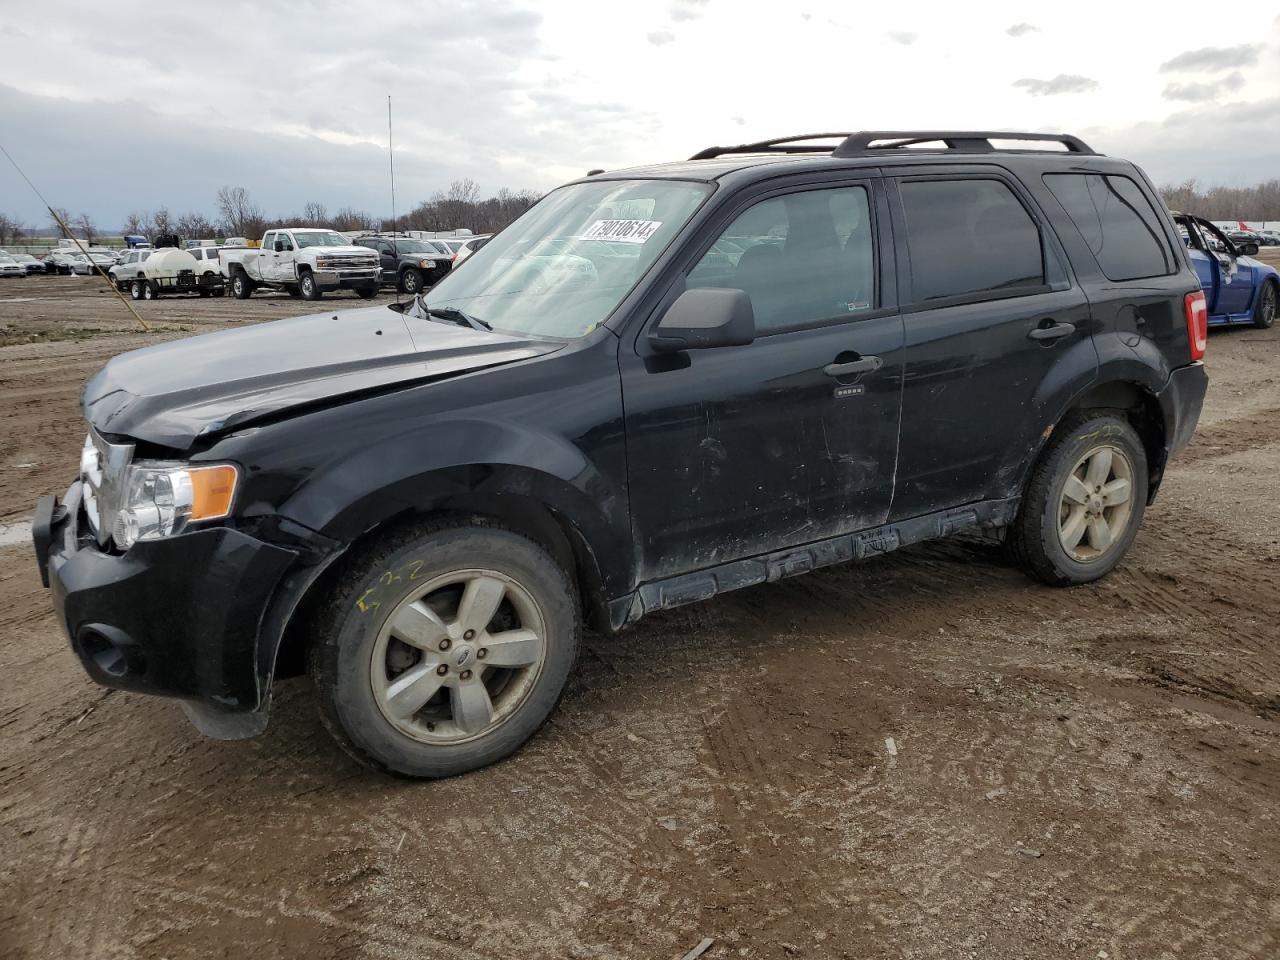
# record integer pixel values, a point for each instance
(560, 269)
(321, 238)
(415, 246)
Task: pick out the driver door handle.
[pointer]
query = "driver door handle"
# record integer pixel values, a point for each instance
(1050, 330)
(863, 365)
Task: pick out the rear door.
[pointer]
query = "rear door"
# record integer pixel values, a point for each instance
(738, 451)
(989, 312)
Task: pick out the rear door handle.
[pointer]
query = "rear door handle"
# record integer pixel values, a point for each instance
(1052, 331)
(863, 365)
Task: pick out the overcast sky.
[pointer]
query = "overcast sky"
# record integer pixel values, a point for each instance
(113, 108)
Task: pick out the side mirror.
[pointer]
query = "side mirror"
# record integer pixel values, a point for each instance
(1248, 249)
(705, 317)
(278, 246)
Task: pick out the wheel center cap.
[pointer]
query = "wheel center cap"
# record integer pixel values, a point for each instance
(463, 655)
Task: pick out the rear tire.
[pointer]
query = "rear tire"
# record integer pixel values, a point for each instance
(1264, 311)
(308, 287)
(135, 289)
(1084, 503)
(150, 290)
(481, 675)
(241, 286)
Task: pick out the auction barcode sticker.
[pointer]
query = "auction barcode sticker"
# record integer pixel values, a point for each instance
(626, 231)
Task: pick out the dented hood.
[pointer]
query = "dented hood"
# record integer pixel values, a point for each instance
(174, 393)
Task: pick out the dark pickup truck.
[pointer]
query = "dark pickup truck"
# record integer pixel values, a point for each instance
(659, 384)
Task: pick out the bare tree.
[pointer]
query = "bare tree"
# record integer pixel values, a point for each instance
(7, 225)
(314, 213)
(62, 214)
(240, 216)
(162, 223)
(349, 218)
(1258, 202)
(88, 229)
(195, 226)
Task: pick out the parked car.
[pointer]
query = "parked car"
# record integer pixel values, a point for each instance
(469, 247)
(605, 415)
(304, 262)
(29, 263)
(101, 257)
(1237, 288)
(9, 267)
(208, 263)
(130, 267)
(1240, 237)
(1270, 238)
(66, 263)
(407, 264)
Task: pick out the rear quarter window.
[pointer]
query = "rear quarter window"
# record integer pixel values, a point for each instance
(1118, 223)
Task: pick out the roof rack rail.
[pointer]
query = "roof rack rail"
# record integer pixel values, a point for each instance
(971, 141)
(780, 145)
(871, 142)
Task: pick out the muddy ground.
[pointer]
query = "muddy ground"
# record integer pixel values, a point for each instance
(1079, 773)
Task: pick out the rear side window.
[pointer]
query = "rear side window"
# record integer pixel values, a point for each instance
(1117, 222)
(969, 237)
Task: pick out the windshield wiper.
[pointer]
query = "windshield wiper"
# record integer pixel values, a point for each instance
(460, 317)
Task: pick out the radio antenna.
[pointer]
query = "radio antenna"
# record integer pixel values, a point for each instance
(391, 155)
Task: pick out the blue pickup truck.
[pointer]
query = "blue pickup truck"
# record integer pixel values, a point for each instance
(1237, 288)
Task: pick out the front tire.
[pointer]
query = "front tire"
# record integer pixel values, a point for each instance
(308, 287)
(1264, 311)
(1084, 503)
(444, 648)
(135, 289)
(241, 286)
(367, 292)
(411, 281)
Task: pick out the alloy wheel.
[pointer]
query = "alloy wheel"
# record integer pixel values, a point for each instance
(458, 657)
(1096, 504)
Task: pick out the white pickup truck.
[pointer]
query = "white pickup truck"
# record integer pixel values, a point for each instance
(304, 262)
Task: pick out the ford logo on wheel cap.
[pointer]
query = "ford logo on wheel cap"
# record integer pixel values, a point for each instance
(464, 656)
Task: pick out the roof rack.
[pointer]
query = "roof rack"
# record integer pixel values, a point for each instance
(871, 142)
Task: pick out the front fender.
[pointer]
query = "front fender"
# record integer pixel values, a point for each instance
(469, 458)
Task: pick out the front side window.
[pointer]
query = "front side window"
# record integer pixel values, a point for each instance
(801, 257)
(562, 268)
(1116, 221)
(969, 237)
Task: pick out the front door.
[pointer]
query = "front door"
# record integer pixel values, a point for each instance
(988, 311)
(738, 451)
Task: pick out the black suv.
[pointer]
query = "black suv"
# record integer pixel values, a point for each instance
(659, 384)
(411, 265)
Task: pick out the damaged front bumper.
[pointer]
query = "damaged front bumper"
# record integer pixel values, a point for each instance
(198, 616)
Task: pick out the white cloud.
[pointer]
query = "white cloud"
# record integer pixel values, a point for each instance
(528, 93)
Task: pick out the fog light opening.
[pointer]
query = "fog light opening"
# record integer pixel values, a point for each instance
(106, 654)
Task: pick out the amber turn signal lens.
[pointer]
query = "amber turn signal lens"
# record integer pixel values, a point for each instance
(212, 490)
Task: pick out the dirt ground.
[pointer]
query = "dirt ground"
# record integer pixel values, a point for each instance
(1086, 773)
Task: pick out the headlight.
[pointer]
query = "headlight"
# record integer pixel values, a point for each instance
(160, 499)
(426, 264)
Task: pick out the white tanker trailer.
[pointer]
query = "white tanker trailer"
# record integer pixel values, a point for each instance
(170, 270)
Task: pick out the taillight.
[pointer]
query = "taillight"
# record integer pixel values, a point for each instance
(1197, 323)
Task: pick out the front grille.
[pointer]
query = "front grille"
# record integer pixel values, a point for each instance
(347, 263)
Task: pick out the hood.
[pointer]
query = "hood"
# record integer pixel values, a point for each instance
(175, 393)
(325, 251)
